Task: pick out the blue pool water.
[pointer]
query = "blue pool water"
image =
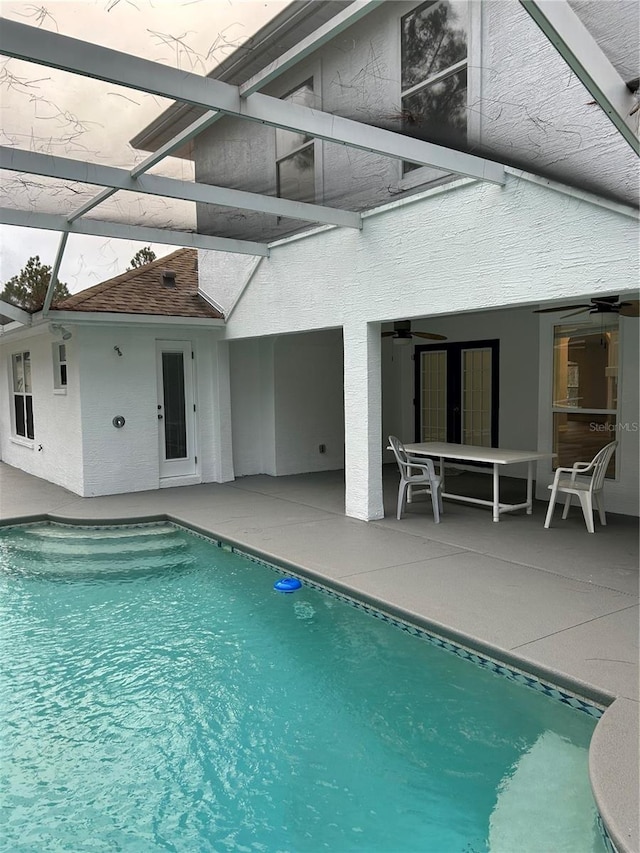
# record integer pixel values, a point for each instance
(158, 695)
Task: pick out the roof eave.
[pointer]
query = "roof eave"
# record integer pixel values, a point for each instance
(112, 317)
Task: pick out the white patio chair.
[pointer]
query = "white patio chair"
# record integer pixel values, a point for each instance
(416, 472)
(587, 491)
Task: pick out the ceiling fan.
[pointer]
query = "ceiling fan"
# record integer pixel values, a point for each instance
(600, 305)
(402, 333)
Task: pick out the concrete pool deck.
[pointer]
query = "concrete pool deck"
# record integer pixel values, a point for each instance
(560, 602)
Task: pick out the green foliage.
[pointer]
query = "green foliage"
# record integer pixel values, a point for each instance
(142, 256)
(28, 289)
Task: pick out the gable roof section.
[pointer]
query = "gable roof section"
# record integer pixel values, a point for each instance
(142, 291)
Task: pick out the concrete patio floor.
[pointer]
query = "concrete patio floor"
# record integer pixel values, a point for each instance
(561, 603)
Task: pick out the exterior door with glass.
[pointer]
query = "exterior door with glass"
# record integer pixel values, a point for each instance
(176, 409)
(457, 392)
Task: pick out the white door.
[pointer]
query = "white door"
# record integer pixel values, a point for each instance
(176, 409)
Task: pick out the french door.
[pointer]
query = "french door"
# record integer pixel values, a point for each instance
(176, 409)
(457, 392)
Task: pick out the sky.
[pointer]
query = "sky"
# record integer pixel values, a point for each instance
(52, 111)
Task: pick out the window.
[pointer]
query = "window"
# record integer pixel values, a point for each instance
(59, 366)
(22, 400)
(585, 391)
(434, 72)
(295, 165)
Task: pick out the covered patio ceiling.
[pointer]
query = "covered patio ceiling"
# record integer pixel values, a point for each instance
(32, 44)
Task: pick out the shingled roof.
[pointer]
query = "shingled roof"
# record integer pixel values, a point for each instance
(148, 290)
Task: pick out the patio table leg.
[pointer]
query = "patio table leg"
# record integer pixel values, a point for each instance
(441, 472)
(496, 493)
(529, 487)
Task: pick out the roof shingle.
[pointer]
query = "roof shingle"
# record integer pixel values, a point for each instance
(142, 291)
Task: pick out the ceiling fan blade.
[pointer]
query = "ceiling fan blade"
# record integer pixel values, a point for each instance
(606, 300)
(559, 308)
(429, 336)
(573, 314)
(630, 308)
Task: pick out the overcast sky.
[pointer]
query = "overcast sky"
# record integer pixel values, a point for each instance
(55, 112)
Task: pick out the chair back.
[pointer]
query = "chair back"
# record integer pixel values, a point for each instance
(400, 453)
(600, 463)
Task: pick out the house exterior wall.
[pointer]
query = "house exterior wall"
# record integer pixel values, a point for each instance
(55, 454)
(445, 256)
(526, 108)
(287, 400)
(309, 402)
(76, 444)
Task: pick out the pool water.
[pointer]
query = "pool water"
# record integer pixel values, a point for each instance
(158, 695)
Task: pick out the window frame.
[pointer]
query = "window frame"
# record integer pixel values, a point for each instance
(60, 381)
(428, 174)
(27, 409)
(310, 145)
(610, 322)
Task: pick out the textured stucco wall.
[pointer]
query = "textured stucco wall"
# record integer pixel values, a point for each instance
(525, 107)
(56, 415)
(127, 459)
(469, 248)
(309, 402)
(448, 258)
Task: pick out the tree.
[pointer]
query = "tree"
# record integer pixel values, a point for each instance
(28, 289)
(142, 256)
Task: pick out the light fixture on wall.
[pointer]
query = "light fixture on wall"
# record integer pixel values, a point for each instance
(57, 329)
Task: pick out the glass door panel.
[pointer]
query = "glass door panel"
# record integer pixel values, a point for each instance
(476, 396)
(433, 400)
(175, 421)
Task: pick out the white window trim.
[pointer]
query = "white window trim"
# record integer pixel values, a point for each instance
(314, 76)
(473, 64)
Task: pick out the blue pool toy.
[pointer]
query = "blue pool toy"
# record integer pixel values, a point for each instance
(287, 585)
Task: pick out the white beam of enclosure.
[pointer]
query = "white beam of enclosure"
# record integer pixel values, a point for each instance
(164, 151)
(15, 313)
(53, 278)
(56, 51)
(98, 228)
(583, 55)
(66, 169)
(322, 35)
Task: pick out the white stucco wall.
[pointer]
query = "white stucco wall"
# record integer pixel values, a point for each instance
(55, 454)
(127, 459)
(471, 247)
(287, 400)
(446, 257)
(309, 402)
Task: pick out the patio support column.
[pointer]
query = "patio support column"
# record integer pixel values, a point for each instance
(363, 421)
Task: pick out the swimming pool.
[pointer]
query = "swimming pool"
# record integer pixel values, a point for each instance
(159, 695)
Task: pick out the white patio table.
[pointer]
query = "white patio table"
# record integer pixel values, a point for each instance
(492, 455)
